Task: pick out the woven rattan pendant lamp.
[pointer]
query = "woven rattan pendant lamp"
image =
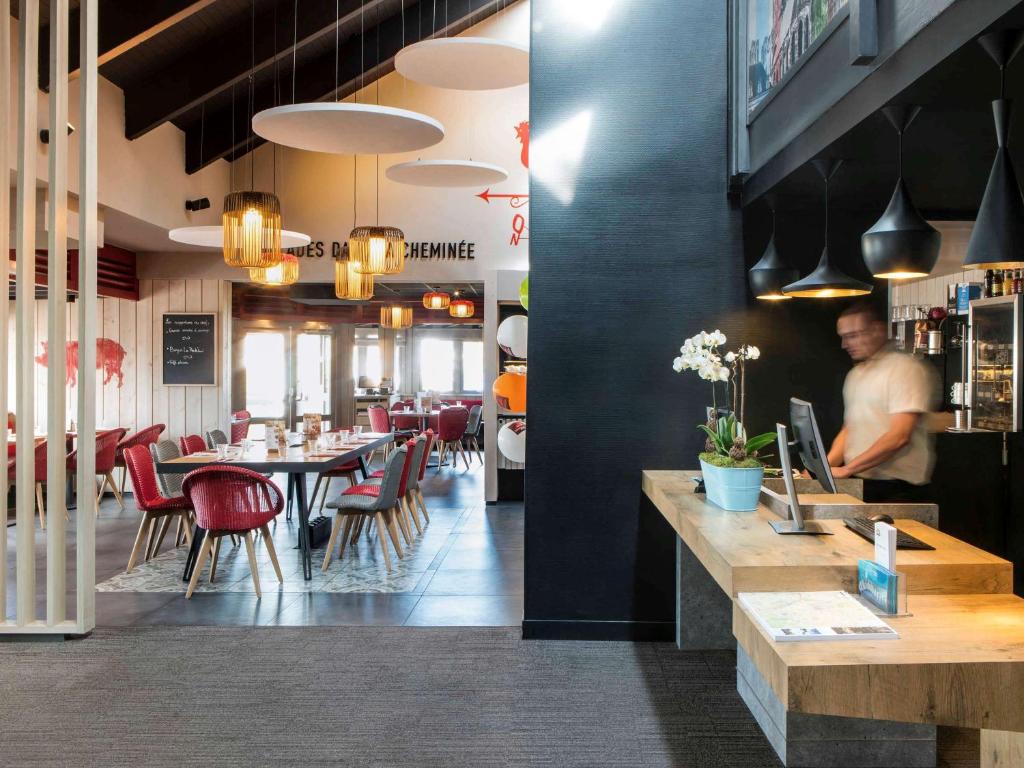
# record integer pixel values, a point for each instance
(252, 219)
(349, 284)
(396, 317)
(436, 300)
(827, 281)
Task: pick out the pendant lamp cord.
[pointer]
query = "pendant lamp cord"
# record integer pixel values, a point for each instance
(232, 137)
(295, 44)
(826, 210)
(252, 98)
(277, 72)
(337, 26)
(899, 152)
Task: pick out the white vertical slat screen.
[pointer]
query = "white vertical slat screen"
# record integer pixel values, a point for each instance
(5, 245)
(56, 318)
(49, 320)
(85, 567)
(25, 227)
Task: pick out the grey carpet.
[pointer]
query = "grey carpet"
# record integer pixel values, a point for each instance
(368, 696)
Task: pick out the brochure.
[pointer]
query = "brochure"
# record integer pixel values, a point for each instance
(793, 616)
(878, 585)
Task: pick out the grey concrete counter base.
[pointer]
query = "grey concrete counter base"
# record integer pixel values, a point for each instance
(824, 741)
(703, 610)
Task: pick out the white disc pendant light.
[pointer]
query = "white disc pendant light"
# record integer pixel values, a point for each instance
(213, 237)
(346, 128)
(465, 63)
(446, 173)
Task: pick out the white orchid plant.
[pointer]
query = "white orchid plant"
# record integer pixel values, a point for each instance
(727, 444)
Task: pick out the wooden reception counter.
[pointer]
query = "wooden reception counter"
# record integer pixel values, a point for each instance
(959, 660)
(742, 553)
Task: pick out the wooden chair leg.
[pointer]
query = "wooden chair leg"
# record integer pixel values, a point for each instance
(204, 551)
(113, 487)
(336, 526)
(139, 539)
(186, 527)
(164, 525)
(178, 533)
(213, 561)
(476, 448)
(392, 529)
(124, 477)
(403, 524)
(40, 506)
(323, 498)
(252, 563)
(268, 542)
(462, 451)
(410, 510)
(153, 523)
(383, 543)
(423, 505)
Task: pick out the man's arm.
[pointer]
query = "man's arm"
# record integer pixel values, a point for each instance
(901, 427)
(838, 449)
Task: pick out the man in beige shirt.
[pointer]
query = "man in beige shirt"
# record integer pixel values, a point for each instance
(887, 395)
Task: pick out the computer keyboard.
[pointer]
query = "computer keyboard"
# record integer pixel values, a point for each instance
(866, 528)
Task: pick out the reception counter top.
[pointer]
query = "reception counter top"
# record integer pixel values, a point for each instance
(744, 554)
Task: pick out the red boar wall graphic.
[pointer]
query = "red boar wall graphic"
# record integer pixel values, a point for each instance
(109, 357)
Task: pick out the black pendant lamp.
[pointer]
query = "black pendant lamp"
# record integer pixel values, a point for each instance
(997, 241)
(826, 281)
(768, 277)
(901, 244)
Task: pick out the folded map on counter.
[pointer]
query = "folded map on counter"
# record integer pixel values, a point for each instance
(789, 616)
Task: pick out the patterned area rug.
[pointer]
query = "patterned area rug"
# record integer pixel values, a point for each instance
(360, 570)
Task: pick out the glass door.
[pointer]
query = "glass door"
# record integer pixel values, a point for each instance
(266, 378)
(312, 373)
(287, 374)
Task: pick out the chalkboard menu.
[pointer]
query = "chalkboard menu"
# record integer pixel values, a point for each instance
(190, 349)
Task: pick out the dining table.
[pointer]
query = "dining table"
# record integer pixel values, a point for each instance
(297, 461)
(424, 417)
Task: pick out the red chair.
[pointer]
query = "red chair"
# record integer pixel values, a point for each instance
(39, 475)
(190, 444)
(232, 500)
(408, 424)
(106, 453)
(451, 426)
(240, 429)
(348, 471)
(380, 421)
(240, 415)
(413, 494)
(155, 507)
(144, 437)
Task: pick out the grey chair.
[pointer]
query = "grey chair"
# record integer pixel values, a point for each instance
(379, 508)
(406, 502)
(469, 438)
(165, 450)
(216, 437)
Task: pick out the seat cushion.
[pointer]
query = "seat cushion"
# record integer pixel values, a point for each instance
(355, 503)
(343, 470)
(378, 474)
(364, 489)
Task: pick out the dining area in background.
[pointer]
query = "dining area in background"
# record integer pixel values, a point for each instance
(280, 453)
(457, 425)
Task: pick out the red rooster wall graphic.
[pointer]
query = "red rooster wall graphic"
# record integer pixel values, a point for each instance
(523, 134)
(109, 357)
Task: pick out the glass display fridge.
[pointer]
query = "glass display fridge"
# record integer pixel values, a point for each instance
(995, 363)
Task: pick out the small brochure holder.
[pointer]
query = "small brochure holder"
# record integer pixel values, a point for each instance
(882, 590)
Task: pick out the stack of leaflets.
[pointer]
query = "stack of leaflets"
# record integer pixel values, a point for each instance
(788, 616)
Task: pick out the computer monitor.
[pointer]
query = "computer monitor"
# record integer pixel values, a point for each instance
(795, 524)
(807, 439)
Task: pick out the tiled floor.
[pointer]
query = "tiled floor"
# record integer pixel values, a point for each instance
(466, 569)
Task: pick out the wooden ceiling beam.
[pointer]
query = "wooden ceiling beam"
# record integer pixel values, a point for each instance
(315, 80)
(196, 76)
(121, 30)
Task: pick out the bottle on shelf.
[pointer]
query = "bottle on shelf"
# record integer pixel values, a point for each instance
(1007, 282)
(997, 282)
(987, 290)
(1018, 281)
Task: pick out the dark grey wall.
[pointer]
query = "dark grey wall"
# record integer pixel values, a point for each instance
(648, 251)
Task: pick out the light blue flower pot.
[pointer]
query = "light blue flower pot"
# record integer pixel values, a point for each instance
(733, 489)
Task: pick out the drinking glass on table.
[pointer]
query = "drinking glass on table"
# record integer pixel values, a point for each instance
(357, 430)
(222, 451)
(344, 436)
(246, 446)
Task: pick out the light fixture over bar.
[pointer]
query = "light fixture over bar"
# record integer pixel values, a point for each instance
(252, 229)
(285, 272)
(377, 250)
(395, 317)
(350, 285)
